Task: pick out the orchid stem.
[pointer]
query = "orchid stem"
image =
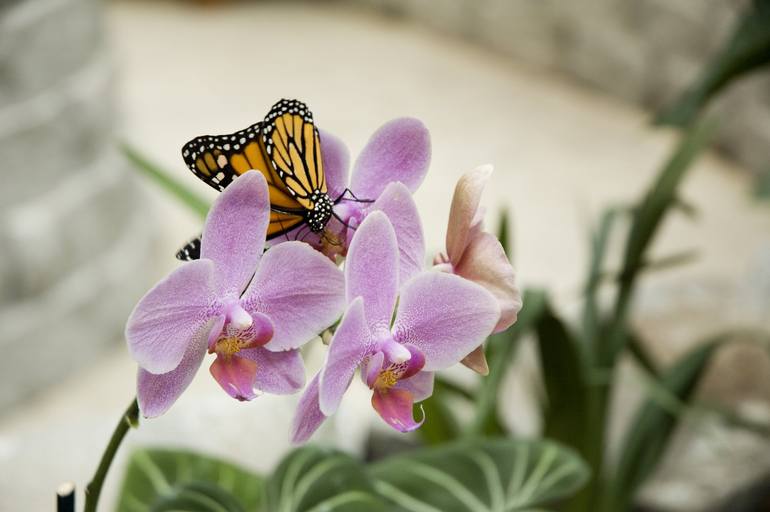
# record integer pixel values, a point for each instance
(129, 419)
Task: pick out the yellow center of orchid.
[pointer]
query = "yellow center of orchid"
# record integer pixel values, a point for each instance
(386, 380)
(228, 346)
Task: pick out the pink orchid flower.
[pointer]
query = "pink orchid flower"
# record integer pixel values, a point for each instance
(399, 151)
(440, 318)
(251, 310)
(478, 256)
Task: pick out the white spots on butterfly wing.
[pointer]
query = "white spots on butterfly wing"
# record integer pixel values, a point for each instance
(226, 147)
(243, 140)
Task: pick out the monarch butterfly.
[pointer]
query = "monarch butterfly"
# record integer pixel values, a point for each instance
(286, 149)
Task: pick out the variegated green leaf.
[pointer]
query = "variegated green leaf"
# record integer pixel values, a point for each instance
(166, 480)
(312, 479)
(492, 475)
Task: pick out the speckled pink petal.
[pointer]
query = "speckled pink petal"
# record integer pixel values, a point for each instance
(397, 203)
(260, 332)
(336, 160)
(234, 234)
(300, 290)
(351, 344)
(445, 316)
(398, 151)
(484, 262)
(157, 393)
(164, 322)
(395, 407)
(463, 212)
(419, 385)
(371, 269)
(278, 373)
(236, 376)
(415, 363)
(372, 368)
(308, 417)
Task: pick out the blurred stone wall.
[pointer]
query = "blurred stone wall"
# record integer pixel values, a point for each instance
(645, 51)
(72, 239)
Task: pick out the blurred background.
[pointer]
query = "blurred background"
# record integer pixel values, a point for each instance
(559, 96)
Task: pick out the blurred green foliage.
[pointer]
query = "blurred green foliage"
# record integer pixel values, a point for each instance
(492, 475)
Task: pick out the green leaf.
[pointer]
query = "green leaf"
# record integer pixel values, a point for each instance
(563, 370)
(661, 197)
(198, 497)
(638, 351)
(170, 184)
(662, 263)
(762, 186)
(441, 424)
(160, 480)
(500, 349)
(746, 50)
(654, 423)
(312, 479)
(503, 233)
(599, 243)
(480, 475)
(647, 217)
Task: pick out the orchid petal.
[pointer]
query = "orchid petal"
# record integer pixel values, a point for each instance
(394, 405)
(351, 344)
(217, 327)
(157, 393)
(445, 316)
(300, 290)
(415, 363)
(477, 361)
(234, 234)
(371, 269)
(419, 385)
(463, 212)
(398, 151)
(236, 376)
(372, 368)
(484, 262)
(278, 373)
(308, 417)
(397, 203)
(336, 161)
(260, 332)
(162, 325)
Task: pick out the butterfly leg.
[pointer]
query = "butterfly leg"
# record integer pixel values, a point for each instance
(353, 196)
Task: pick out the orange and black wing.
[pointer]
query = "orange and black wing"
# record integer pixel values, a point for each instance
(293, 148)
(218, 159)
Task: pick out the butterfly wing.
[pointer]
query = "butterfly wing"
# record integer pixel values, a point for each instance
(191, 250)
(286, 149)
(218, 159)
(293, 148)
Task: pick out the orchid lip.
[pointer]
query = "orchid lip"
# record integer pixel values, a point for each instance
(387, 376)
(232, 339)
